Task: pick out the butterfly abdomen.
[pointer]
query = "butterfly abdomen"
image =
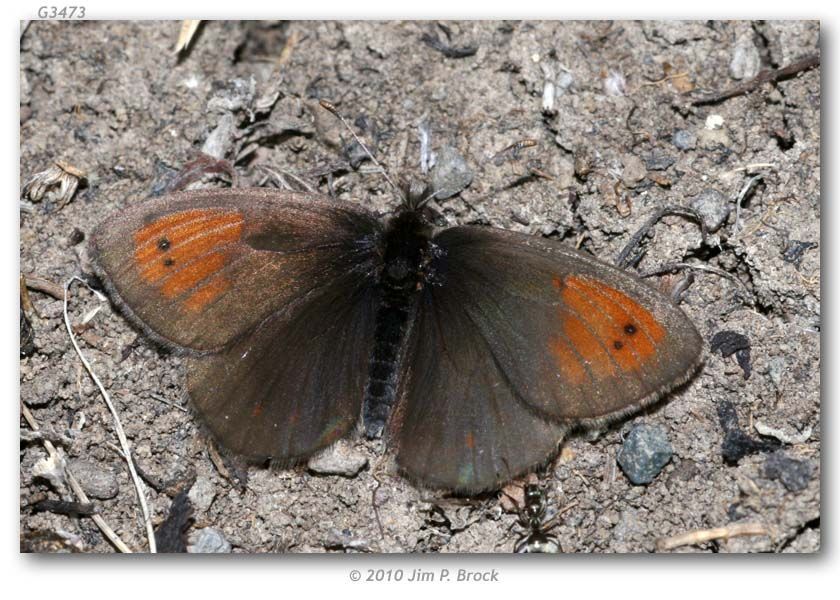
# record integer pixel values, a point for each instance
(380, 393)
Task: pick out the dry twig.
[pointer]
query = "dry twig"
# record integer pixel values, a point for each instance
(700, 536)
(185, 36)
(138, 485)
(39, 284)
(743, 194)
(670, 267)
(766, 76)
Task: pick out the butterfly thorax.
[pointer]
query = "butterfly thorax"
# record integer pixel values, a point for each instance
(407, 255)
(408, 250)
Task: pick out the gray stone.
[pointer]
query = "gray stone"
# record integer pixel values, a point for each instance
(45, 392)
(776, 368)
(634, 170)
(202, 494)
(339, 459)
(564, 82)
(208, 541)
(713, 206)
(684, 139)
(659, 161)
(97, 480)
(451, 174)
(646, 450)
(793, 473)
(746, 60)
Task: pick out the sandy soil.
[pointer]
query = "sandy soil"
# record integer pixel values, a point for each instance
(618, 139)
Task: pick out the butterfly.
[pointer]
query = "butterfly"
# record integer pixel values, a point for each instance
(472, 350)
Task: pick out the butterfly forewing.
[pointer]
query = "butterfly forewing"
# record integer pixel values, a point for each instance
(578, 338)
(199, 268)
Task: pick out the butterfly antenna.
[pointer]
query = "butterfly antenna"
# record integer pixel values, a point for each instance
(426, 200)
(329, 106)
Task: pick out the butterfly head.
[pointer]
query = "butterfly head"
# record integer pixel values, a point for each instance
(415, 193)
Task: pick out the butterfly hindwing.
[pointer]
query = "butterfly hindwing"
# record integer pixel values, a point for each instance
(296, 384)
(458, 425)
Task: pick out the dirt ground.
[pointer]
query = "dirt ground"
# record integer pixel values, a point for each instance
(621, 129)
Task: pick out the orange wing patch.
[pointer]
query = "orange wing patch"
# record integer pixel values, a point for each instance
(205, 294)
(569, 363)
(606, 328)
(183, 254)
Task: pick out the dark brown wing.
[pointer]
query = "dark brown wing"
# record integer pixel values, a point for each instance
(277, 291)
(198, 268)
(459, 424)
(521, 339)
(296, 384)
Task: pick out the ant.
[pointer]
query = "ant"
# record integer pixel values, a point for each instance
(537, 536)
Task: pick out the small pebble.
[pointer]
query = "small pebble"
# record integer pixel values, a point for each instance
(684, 139)
(686, 470)
(713, 206)
(163, 176)
(659, 161)
(714, 122)
(25, 113)
(564, 82)
(520, 216)
(615, 84)
(97, 480)
(202, 494)
(234, 95)
(727, 343)
(746, 60)
(208, 541)
(645, 452)
(795, 251)
(76, 237)
(793, 473)
(584, 161)
(776, 367)
(339, 459)
(451, 174)
(44, 393)
(634, 170)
